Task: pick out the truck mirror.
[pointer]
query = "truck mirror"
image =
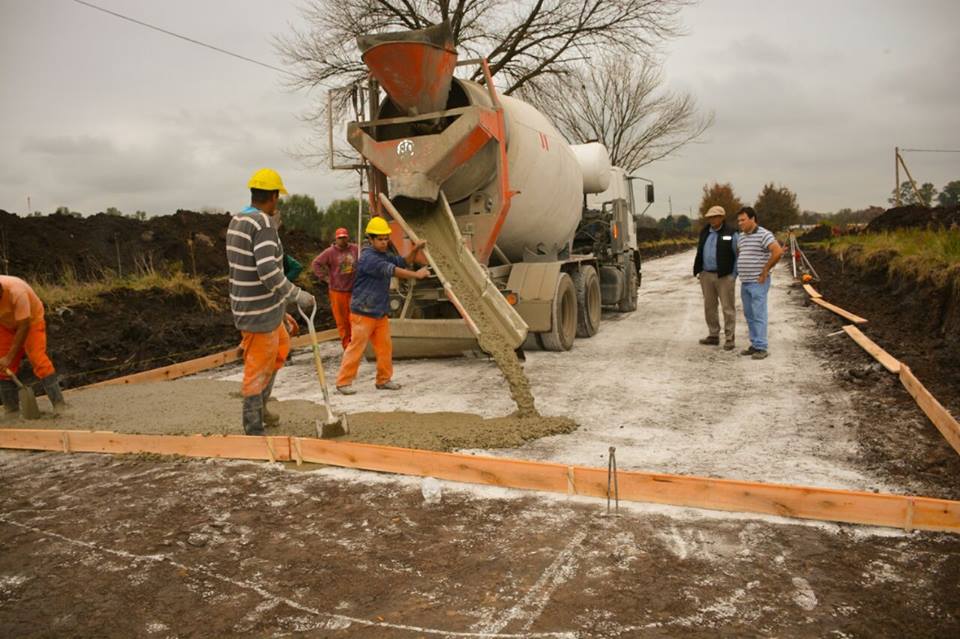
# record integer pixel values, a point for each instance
(650, 194)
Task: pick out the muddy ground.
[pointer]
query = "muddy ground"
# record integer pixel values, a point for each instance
(109, 546)
(895, 438)
(121, 547)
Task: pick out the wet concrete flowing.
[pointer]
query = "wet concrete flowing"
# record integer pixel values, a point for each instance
(210, 407)
(433, 226)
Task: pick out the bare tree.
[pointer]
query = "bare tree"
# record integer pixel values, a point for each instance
(521, 39)
(622, 103)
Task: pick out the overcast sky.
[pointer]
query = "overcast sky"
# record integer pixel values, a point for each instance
(814, 95)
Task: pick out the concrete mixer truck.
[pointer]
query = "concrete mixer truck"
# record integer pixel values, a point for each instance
(528, 233)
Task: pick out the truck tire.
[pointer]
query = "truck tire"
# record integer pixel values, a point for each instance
(628, 302)
(563, 317)
(587, 283)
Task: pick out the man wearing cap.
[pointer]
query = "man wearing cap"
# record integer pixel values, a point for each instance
(259, 294)
(715, 265)
(336, 267)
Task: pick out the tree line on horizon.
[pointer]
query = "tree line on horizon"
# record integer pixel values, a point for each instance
(777, 207)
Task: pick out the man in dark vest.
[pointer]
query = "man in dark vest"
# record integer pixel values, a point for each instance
(715, 265)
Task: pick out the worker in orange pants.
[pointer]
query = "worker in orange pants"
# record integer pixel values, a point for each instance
(335, 265)
(23, 331)
(263, 355)
(369, 305)
(340, 307)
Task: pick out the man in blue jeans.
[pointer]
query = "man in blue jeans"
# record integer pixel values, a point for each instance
(757, 252)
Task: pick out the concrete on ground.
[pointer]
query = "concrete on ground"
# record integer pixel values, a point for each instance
(644, 385)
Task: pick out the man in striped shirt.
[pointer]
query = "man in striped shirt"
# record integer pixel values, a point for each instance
(757, 252)
(259, 294)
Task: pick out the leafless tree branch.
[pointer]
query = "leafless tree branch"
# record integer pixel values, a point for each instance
(621, 102)
(528, 43)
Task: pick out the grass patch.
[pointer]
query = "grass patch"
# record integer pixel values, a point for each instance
(925, 255)
(68, 291)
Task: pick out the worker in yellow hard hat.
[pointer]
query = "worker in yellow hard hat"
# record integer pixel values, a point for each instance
(259, 294)
(369, 305)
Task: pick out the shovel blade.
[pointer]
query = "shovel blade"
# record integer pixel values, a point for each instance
(28, 404)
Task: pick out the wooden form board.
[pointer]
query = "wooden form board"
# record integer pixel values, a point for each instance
(898, 511)
(941, 418)
(889, 362)
(269, 448)
(189, 367)
(856, 319)
(812, 292)
(699, 492)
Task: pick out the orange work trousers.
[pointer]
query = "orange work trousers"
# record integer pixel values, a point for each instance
(263, 355)
(365, 329)
(340, 305)
(35, 348)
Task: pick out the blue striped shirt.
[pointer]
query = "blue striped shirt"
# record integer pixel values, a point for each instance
(753, 253)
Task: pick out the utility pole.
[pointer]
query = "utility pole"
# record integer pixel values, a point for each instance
(670, 204)
(896, 171)
(29, 208)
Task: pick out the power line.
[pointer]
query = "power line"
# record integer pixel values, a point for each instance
(931, 150)
(188, 39)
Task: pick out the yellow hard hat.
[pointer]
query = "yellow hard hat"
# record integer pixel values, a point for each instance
(378, 226)
(267, 180)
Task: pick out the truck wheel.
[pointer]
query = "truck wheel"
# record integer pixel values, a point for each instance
(629, 300)
(587, 283)
(563, 317)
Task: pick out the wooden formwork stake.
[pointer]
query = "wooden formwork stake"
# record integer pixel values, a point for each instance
(298, 453)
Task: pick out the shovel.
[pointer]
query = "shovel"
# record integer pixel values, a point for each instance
(28, 401)
(328, 424)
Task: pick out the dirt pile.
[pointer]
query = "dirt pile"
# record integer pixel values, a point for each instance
(47, 247)
(125, 331)
(210, 407)
(818, 233)
(916, 217)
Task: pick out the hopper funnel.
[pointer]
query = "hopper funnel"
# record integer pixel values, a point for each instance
(415, 68)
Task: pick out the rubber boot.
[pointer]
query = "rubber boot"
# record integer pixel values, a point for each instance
(253, 415)
(51, 385)
(270, 420)
(10, 398)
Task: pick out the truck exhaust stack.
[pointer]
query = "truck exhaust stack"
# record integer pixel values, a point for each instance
(415, 68)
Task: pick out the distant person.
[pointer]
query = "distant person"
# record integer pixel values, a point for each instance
(336, 266)
(758, 251)
(716, 266)
(259, 294)
(370, 303)
(23, 331)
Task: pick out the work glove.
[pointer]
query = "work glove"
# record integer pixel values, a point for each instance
(305, 300)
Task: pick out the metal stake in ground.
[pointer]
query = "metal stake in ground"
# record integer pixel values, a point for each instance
(612, 477)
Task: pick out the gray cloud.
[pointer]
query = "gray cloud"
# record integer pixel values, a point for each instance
(813, 95)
